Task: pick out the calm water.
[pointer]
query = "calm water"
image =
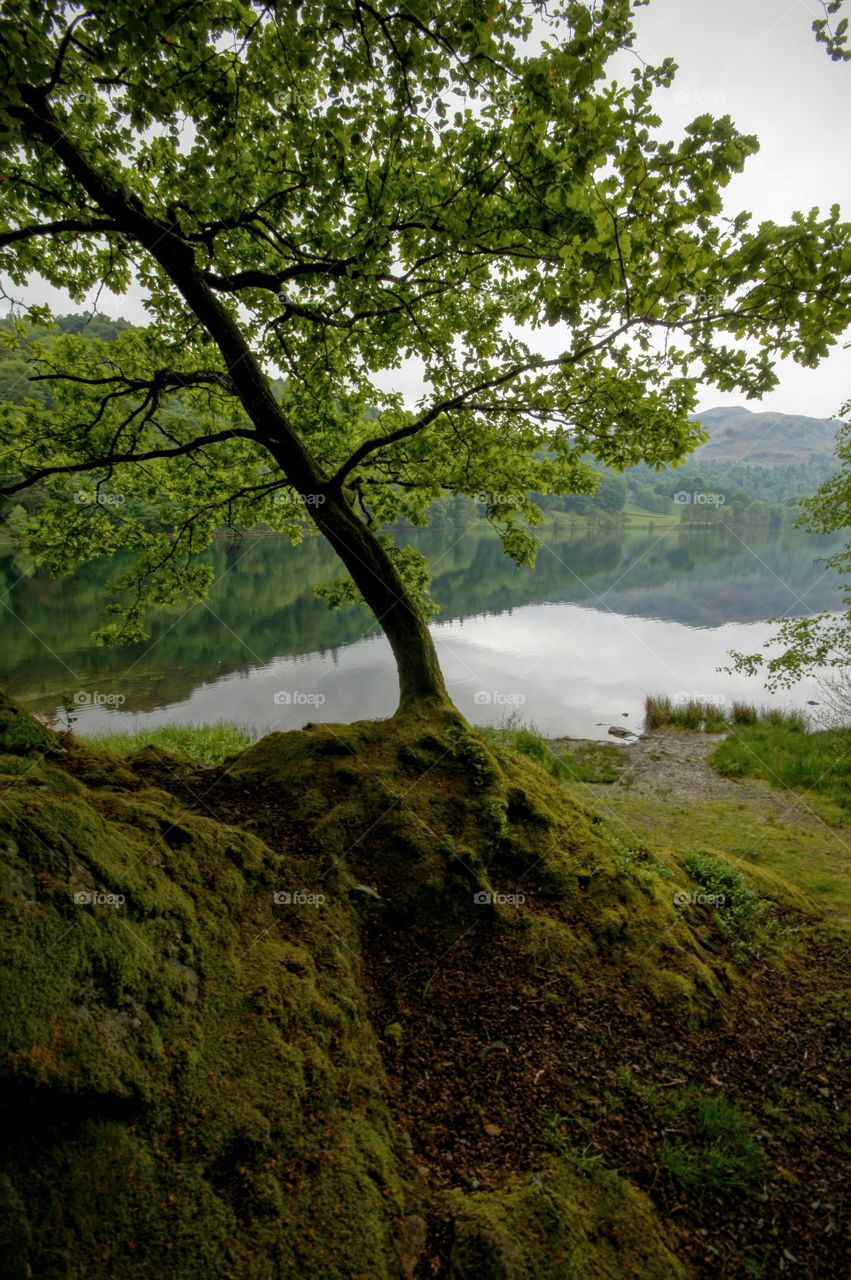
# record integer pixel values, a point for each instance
(572, 645)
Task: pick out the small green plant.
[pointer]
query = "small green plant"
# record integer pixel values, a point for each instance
(496, 819)
(208, 744)
(717, 1153)
(68, 713)
(553, 1131)
(740, 912)
(629, 857)
(625, 857)
(20, 734)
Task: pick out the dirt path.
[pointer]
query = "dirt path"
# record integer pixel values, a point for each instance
(674, 764)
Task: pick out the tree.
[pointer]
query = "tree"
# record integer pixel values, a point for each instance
(323, 191)
(611, 493)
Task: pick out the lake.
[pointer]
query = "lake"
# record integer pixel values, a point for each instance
(573, 645)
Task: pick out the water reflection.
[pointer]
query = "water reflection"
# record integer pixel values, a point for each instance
(579, 640)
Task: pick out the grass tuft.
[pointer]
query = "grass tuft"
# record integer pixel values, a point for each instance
(719, 1155)
(661, 713)
(781, 752)
(703, 716)
(588, 762)
(206, 743)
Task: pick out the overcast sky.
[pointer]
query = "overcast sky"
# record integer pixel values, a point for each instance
(758, 61)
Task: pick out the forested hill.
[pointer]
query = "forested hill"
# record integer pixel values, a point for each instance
(766, 457)
(764, 439)
(15, 371)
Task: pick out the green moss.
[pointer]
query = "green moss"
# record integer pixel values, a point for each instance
(481, 818)
(192, 1073)
(594, 1224)
(192, 1064)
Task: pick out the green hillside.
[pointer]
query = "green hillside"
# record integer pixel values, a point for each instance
(764, 439)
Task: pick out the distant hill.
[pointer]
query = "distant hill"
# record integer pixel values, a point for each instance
(764, 439)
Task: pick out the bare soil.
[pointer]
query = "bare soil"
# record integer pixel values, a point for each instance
(674, 765)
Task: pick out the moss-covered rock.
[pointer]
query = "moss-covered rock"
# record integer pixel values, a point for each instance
(594, 1224)
(190, 1081)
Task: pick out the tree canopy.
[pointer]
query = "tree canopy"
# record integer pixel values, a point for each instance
(330, 193)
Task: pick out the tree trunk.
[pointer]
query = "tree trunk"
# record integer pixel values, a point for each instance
(397, 612)
(420, 677)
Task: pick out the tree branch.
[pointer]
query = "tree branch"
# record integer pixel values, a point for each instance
(273, 280)
(163, 380)
(177, 258)
(52, 228)
(460, 402)
(113, 459)
(64, 45)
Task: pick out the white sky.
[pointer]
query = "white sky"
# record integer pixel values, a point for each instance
(758, 61)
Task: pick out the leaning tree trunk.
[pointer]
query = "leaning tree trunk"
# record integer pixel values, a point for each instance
(420, 677)
(392, 602)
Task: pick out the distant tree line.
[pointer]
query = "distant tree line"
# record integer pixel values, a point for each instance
(757, 494)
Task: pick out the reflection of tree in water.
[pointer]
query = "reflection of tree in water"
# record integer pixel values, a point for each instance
(263, 606)
(679, 558)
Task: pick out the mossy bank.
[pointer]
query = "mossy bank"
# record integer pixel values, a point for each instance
(335, 1008)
